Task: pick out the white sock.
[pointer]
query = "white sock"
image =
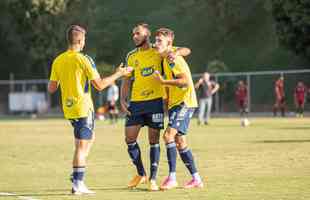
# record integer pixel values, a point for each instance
(172, 176)
(196, 176)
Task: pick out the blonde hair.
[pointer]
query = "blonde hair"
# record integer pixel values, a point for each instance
(165, 32)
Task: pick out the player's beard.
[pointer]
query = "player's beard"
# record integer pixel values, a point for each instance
(144, 41)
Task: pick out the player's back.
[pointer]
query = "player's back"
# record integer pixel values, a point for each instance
(70, 69)
(179, 95)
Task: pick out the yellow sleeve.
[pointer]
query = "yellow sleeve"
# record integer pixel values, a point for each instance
(90, 69)
(54, 76)
(178, 67)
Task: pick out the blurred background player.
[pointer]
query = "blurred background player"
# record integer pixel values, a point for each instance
(74, 72)
(241, 94)
(206, 89)
(279, 97)
(112, 98)
(300, 93)
(182, 102)
(146, 102)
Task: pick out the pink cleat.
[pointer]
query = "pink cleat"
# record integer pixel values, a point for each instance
(168, 184)
(193, 184)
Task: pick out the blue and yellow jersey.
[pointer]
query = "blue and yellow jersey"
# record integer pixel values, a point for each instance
(178, 95)
(74, 71)
(144, 63)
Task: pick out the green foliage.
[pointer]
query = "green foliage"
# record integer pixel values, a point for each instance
(216, 66)
(240, 33)
(292, 19)
(37, 32)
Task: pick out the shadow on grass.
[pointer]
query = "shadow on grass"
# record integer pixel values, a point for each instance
(67, 192)
(294, 128)
(281, 141)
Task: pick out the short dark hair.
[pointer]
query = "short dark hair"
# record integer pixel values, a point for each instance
(144, 25)
(73, 33)
(165, 32)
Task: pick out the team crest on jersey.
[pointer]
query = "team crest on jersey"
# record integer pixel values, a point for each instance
(147, 71)
(69, 102)
(171, 65)
(147, 93)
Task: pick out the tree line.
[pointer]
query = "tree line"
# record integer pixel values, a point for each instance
(239, 35)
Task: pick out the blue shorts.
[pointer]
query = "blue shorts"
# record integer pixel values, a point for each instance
(179, 118)
(146, 113)
(83, 127)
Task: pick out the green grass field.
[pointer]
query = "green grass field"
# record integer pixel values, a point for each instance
(269, 160)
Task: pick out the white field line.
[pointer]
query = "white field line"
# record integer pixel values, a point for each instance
(16, 195)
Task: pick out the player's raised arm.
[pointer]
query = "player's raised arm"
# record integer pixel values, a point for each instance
(180, 51)
(198, 83)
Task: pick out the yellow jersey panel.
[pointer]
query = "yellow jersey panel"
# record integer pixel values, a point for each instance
(74, 71)
(144, 63)
(178, 95)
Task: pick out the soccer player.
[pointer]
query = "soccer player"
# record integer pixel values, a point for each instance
(279, 97)
(208, 89)
(74, 73)
(300, 93)
(181, 105)
(241, 94)
(146, 102)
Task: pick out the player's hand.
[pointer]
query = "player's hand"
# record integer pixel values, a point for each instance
(124, 71)
(157, 76)
(171, 56)
(124, 107)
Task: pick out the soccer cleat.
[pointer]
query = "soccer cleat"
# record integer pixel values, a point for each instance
(168, 184)
(153, 186)
(137, 180)
(79, 188)
(193, 184)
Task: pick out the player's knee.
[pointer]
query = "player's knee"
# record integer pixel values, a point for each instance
(80, 155)
(129, 140)
(168, 137)
(154, 139)
(180, 142)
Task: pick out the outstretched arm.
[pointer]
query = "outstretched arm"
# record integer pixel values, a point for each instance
(102, 83)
